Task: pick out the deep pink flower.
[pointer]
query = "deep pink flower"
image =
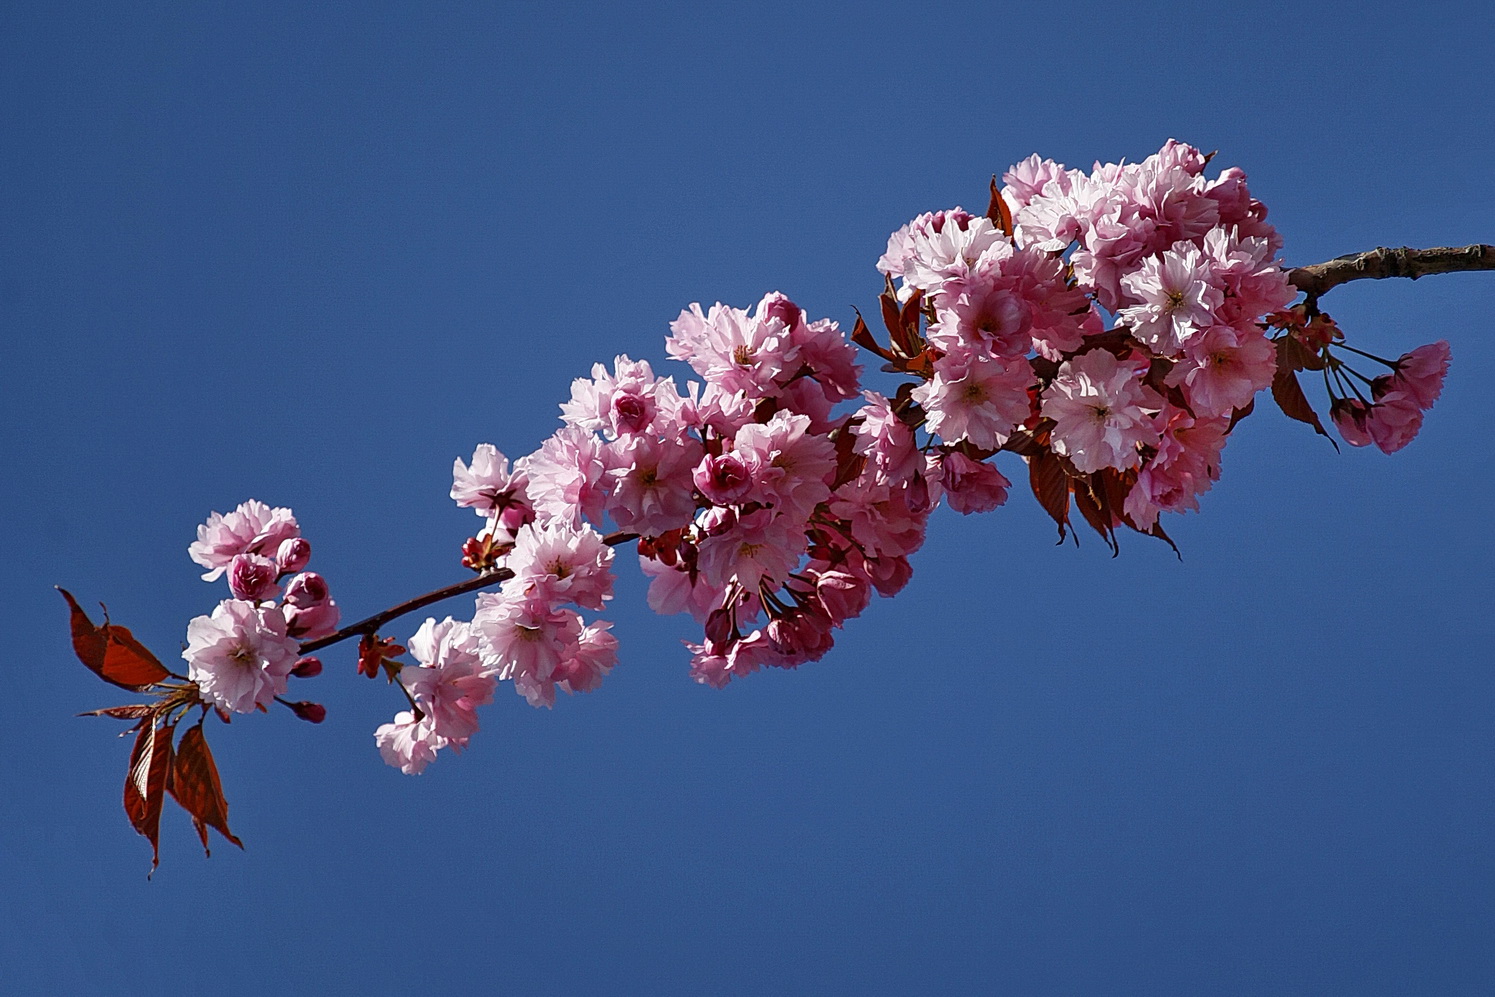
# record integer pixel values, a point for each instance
(651, 487)
(253, 577)
(310, 611)
(1420, 373)
(972, 486)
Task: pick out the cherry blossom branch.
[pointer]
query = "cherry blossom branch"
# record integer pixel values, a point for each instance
(372, 624)
(1318, 278)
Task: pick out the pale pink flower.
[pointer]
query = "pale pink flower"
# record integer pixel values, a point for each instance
(761, 549)
(252, 528)
(253, 577)
(1186, 465)
(794, 466)
(651, 490)
(593, 658)
(730, 348)
(240, 656)
(556, 562)
(1223, 369)
(1102, 411)
(984, 312)
(631, 400)
(452, 681)
(886, 441)
(1031, 177)
(1178, 297)
(408, 744)
(292, 555)
(1394, 420)
(567, 477)
(517, 636)
(672, 590)
(976, 398)
(490, 489)
(972, 486)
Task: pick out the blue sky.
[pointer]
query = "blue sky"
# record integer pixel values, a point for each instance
(311, 254)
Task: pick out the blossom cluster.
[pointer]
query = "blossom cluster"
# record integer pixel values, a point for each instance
(1108, 323)
(241, 656)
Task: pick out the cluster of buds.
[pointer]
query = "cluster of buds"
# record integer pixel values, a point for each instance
(241, 656)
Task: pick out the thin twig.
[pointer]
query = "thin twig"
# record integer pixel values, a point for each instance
(373, 623)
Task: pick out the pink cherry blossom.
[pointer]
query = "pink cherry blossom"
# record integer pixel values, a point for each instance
(408, 744)
(631, 400)
(1223, 369)
(972, 486)
(1177, 296)
(651, 485)
(1420, 373)
(556, 563)
(240, 656)
(310, 611)
(1102, 411)
(253, 577)
(976, 397)
(451, 682)
(567, 477)
(490, 489)
(252, 528)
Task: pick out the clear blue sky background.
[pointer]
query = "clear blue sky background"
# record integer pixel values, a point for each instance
(311, 255)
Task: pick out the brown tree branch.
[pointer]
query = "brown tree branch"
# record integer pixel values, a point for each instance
(1318, 278)
(372, 624)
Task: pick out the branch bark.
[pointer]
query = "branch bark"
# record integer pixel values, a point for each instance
(1318, 278)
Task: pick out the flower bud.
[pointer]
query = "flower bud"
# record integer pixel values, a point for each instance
(310, 712)
(307, 668)
(725, 480)
(252, 577)
(311, 622)
(291, 556)
(306, 590)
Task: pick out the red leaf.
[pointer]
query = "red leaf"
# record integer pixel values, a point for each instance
(112, 653)
(862, 336)
(134, 711)
(145, 784)
(997, 211)
(194, 784)
(1051, 487)
(1288, 393)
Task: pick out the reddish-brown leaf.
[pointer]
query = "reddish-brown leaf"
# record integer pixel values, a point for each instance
(145, 784)
(1051, 487)
(1288, 393)
(194, 784)
(862, 336)
(112, 653)
(134, 711)
(997, 211)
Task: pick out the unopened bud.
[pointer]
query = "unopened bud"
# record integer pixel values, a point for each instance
(310, 712)
(252, 577)
(306, 590)
(307, 668)
(291, 556)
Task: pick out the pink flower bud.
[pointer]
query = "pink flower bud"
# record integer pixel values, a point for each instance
(252, 577)
(844, 595)
(725, 480)
(306, 590)
(307, 668)
(292, 555)
(310, 712)
(311, 622)
(716, 521)
(1349, 416)
(776, 306)
(630, 412)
